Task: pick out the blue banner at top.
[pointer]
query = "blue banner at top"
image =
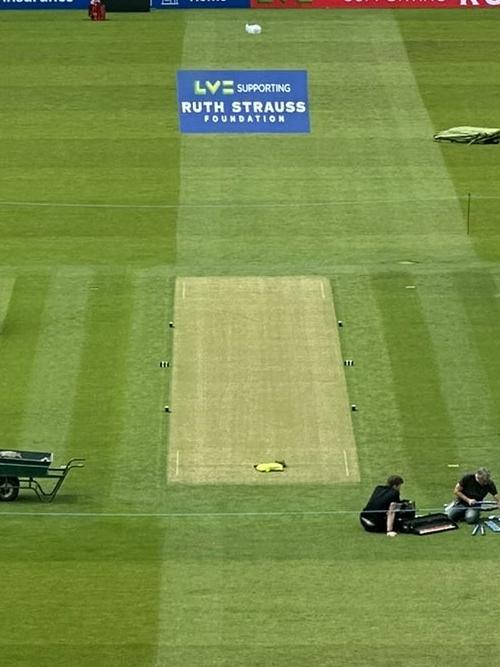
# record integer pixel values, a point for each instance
(44, 4)
(242, 101)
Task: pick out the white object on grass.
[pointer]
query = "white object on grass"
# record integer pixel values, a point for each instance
(253, 28)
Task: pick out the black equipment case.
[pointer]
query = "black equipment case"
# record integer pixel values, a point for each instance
(428, 524)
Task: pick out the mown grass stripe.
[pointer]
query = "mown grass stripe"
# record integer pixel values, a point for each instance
(18, 345)
(370, 381)
(98, 408)
(462, 373)
(479, 295)
(6, 287)
(417, 384)
(54, 374)
(143, 439)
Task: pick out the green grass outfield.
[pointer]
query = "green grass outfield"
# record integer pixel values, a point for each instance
(124, 569)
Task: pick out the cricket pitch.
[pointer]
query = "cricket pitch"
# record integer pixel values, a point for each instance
(257, 376)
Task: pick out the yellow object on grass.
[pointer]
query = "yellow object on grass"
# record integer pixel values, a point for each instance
(273, 466)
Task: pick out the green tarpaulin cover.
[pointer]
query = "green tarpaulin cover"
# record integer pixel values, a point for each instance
(470, 135)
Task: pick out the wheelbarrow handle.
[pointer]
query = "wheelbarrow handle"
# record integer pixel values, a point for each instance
(75, 463)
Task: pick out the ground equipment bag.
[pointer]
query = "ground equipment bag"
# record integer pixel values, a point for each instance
(407, 509)
(470, 135)
(428, 524)
(406, 512)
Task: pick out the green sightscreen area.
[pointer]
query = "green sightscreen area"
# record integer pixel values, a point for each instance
(103, 204)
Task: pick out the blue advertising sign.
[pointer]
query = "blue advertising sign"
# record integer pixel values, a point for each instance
(44, 4)
(200, 4)
(241, 101)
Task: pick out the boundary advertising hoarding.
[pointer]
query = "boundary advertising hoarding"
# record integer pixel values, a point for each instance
(374, 4)
(242, 101)
(154, 4)
(127, 5)
(44, 4)
(111, 5)
(268, 4)
(200, 4)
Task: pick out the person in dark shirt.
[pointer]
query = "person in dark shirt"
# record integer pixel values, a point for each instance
(379, 514)
(469, 492)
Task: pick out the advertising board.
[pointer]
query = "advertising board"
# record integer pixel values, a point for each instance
(373, 4)
(200, 4)
(243, 101)
(44, 4)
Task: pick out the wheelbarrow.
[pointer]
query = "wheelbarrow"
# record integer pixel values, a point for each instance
(21, 470)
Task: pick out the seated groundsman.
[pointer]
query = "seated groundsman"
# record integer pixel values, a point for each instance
(379, 515)
(469, 492)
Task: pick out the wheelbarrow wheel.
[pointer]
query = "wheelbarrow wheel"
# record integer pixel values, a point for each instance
(9, 489)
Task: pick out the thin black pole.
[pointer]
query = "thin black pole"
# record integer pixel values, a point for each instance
(468, 213)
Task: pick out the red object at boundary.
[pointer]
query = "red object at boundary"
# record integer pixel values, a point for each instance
(97, 11)
(375, 4)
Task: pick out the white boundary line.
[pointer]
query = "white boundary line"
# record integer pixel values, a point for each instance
(172, 515)
(297, 204)
(177, 456)
(346, 464)
(189, 515)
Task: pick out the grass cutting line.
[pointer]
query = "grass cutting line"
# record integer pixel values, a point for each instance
(296, 204)
(194, 515)
(6, 288)
(346, 464)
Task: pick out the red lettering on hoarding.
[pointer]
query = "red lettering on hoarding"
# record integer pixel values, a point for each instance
(373, 4)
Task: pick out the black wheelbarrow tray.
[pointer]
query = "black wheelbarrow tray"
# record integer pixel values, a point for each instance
(21, 470)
